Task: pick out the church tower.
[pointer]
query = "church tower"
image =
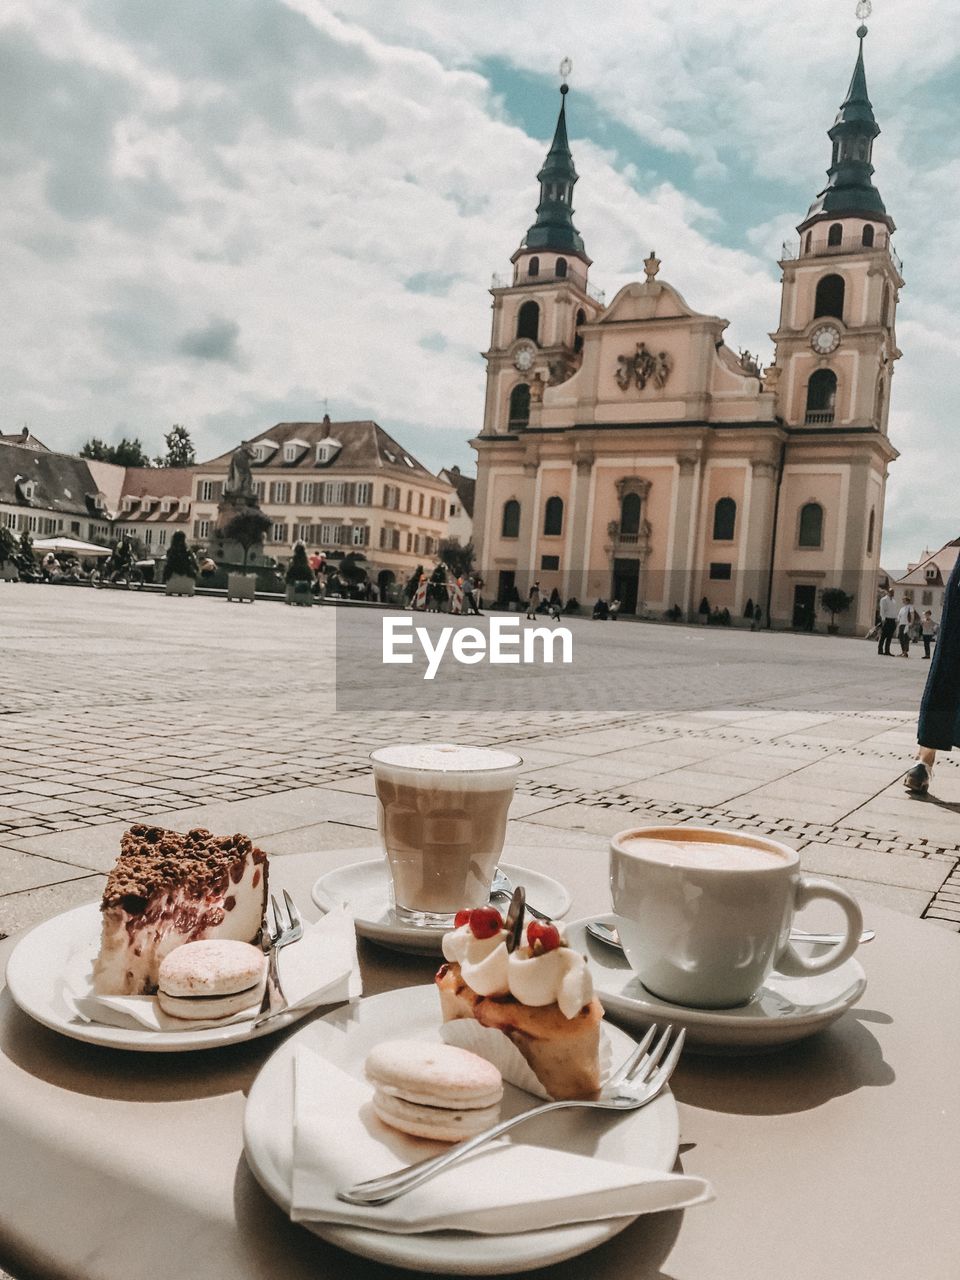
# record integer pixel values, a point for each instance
(835, 351)
(539, 310)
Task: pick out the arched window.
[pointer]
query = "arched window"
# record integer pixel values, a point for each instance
(870, 526)
(810, 533)
(533, 267)
(528, 321)
(869, 231)
(808, 242)
(553, 517)
(561, 268)
(821, 396)
(829, 299)
(630, 514)
(835, 234)
(519, 414)
(724, 520)
(578, 336)
(510, 525)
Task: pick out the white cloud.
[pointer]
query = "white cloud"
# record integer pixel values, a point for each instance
(262, 188)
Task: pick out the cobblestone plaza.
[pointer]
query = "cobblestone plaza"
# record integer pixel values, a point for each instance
(117, 707)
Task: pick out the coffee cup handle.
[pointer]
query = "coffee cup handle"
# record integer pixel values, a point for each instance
(808, 889)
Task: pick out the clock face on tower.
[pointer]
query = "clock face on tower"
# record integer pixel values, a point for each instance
(825, 339)
(523, 358)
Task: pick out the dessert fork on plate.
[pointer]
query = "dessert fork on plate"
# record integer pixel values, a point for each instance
(633, 1085)
(286, 929)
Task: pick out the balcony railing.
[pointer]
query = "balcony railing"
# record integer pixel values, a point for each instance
(816, 417)
(794, 250)
(545, 277)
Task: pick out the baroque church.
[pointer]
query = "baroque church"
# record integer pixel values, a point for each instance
(627, 452)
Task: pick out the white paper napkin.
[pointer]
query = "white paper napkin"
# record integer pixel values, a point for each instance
(504, 1187)
(320, 969)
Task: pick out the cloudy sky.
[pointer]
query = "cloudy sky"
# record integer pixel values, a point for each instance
(232, 212)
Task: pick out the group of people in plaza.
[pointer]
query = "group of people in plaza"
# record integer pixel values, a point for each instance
(906, 623)
(442, 592)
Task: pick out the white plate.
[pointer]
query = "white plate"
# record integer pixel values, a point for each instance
(784, 1010)
(648, 1137)
(54, 962)
(364, 888)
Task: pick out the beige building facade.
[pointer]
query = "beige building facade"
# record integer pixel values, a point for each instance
(338, 487)
(627, 452)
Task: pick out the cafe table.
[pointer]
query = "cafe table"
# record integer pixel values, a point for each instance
(838, 1156)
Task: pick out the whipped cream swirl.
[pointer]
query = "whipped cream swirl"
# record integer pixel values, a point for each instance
(560, 976)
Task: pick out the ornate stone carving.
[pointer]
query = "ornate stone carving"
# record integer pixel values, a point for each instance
(642, 367)
(687, 463)
(633, 484)
(239, 478)
(764, 470)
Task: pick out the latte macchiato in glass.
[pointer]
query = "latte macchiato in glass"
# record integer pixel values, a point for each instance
(705, 915)
(442, 814)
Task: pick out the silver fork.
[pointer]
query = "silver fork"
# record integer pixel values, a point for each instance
(502, 887)
(286, 929)
(637, 1082)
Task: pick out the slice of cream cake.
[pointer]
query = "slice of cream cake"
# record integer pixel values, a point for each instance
(167, 889)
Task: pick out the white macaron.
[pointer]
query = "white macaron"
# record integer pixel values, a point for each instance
(433, 1090)
(212, 978)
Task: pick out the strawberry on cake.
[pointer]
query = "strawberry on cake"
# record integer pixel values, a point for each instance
(539, 995)
(167, 889)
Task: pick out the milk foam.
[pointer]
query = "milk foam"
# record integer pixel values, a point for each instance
(445, 765)
(717, 855)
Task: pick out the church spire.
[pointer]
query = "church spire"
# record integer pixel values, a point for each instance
(850, 190)
(554, 229)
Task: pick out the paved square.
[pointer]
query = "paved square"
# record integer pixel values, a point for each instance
(116, 707)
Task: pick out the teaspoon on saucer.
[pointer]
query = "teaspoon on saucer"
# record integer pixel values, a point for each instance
(608, 934)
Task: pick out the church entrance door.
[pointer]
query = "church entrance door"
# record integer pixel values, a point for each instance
(804, 607)
(626, 584)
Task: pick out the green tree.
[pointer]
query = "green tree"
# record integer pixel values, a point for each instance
(248, 528)
(180, 561)
(8, 546)
(128, 453)
(458, 559)
(835, 600)
(180, 450)
(299, 569)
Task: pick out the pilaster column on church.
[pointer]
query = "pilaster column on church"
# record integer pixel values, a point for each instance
(681, 571)
(758, 531)
(526, 543)
(480, 531)
(854, 577)
(580, 551)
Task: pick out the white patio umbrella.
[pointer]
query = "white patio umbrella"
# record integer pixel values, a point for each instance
(70, 546)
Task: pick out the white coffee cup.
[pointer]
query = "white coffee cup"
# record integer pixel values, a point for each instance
(705, 915)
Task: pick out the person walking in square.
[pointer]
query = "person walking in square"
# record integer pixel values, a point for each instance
(888, 622)
(938, 728)
(928, 630)
(904, 623)
(533, 602)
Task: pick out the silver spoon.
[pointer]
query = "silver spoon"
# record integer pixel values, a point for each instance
(502, 887)
(608, 934)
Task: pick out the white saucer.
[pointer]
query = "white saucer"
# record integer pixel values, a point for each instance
(784, 1010)
(51, 966)
(364, 888)
(648, 1138)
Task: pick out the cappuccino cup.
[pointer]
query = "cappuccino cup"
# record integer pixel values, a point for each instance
(442, 816)
(705, 915)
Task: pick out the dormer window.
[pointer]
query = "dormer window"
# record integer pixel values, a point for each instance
(129, 502)
(184, 507)
(28, 489)
(931, 574)
(263, 449)
(167, 505)
(293, 449)
(328, 449)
